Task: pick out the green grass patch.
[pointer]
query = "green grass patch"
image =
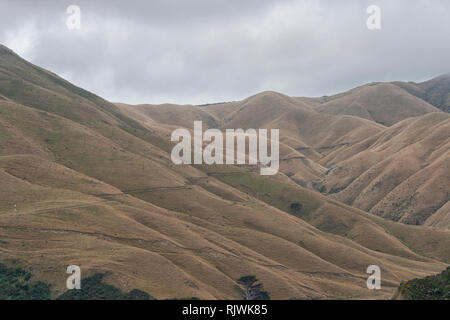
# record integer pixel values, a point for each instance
(4, 134)
(274, 193)
(258, 185)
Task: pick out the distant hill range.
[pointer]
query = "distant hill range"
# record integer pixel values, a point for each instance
(378, 147)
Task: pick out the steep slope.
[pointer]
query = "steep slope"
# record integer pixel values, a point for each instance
(435, 91)
(401, 174)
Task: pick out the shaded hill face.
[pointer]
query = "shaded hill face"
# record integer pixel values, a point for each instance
(89, 183)
(383, 103)
(435, 91)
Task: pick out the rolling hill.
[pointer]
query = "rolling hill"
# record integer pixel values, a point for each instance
(384, 103)
(90, 183)
(435, 91)
(399, 172)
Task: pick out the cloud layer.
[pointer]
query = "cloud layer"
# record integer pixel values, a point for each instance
(199, 51)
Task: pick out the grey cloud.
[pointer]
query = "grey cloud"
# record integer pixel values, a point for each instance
(198, 51)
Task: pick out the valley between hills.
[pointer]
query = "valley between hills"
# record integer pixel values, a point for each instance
(364, 180)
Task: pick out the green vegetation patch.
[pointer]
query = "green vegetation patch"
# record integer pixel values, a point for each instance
(429, 288)
(4, 134)
(16, 284)
(93, 288)
(258, 185)
(275, 193)
(252, 289)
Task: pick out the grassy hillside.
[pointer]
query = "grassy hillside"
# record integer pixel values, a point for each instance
(398, 172)
(401, 174)
(435, 91)
(383, 103)
(89, 183)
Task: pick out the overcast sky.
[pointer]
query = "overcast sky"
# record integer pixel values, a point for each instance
(200, 51)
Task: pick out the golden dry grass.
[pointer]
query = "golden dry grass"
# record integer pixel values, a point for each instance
(94, 186)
